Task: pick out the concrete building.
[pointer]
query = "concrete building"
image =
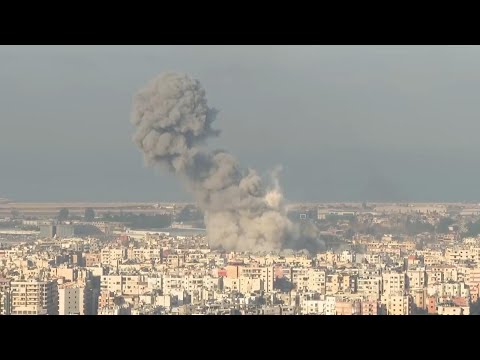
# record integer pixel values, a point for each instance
(416, 278)
(47, 231)
(68, 274)
(314, 307)
(299, 277)
(370, 286)
(316, 280)
(249, 285)
(124, 309)
(71, 299)
(432, 305)
(4, 296)
(333, 284)
(106, 300)
(92, 259)
(34, 297)
(397, 304)
(393, 283)
(111, 256)
(128, 285)
(348, 307)
(450, 310)
(65, 231)
(266, 275)
(369, 307)
(419, 299)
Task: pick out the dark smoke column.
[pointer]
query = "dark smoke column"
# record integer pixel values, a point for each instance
(172, 121)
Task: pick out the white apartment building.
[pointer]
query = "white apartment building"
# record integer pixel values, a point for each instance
(370, 286)
(154, 283)
(171, 283)
(347, 256)
(71, 299)
(393, 283)
(34, 297)
(416, 278)
(128, 285)
(452, 289)
(144, 254)
(314, 307)
(111, 256)
(212, 283)
(472, 276)
(266, 274)
(330, 305)
(455, 254)
(249, 285)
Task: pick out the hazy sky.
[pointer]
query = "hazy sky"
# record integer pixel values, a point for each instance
(345, 122)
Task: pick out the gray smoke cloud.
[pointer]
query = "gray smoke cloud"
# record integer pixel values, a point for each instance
(172, 121)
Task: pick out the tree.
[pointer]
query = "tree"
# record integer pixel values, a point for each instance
(15, 213)
(473, 229)
(89, 214)
(443, 224)
(63, 214)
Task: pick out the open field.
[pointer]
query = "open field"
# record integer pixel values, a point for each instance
(78, 208)
(47, 209)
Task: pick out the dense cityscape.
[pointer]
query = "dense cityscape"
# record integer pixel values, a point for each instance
(313, 178)
(155, 259)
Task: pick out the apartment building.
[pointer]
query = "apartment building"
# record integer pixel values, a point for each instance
(416, 278)
(348, 307)
(266, 274)
(314, 307)
(394, 283)
(369, 307)
(106, 300)
(144, 254)
(316, 280)
(450, 310)
(127, 285)
(4, 296)
(71, 299)
(111, 256)
(397, 304)
(34, 297)
(419, 299)
(300, 278)
(92, 259)
(68, 274)
(370, 286)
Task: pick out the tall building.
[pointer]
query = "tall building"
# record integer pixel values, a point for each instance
(71, 299)
(65, 231)
(265, 274)
(34, 297)
(4, 297)
(394, 283)
(47, 231)
(92, 292)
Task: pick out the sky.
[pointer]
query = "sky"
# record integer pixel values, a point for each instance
(346, 123)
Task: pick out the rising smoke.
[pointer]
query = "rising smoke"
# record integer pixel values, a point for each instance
(172, 121)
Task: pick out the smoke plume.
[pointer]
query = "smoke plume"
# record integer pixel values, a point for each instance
(172, 121)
